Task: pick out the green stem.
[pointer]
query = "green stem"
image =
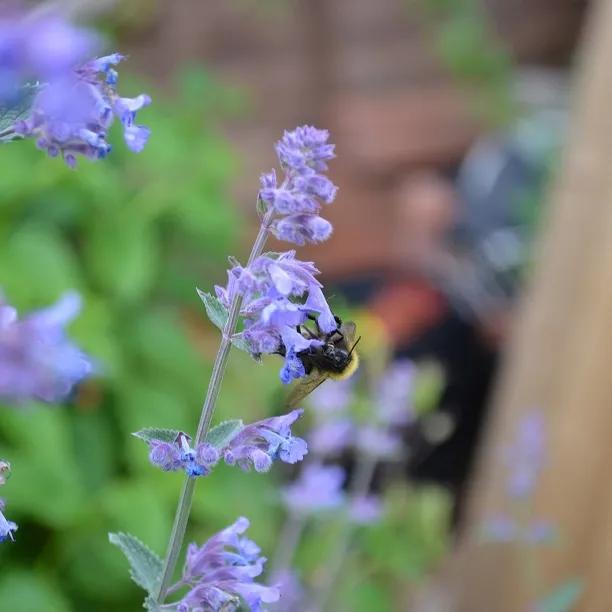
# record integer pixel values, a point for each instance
(183, 509)
(360, 486)
(288, 542)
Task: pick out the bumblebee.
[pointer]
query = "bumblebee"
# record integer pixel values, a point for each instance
(335, 358)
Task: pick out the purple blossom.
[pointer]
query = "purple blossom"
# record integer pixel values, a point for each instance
(394, 392)
(318, 488)
(378, 442)
(39, 46)
(301, 229)
(334, 398)
(259, 444)
(296, 202)
(179, 455)
(280, 293)
(331, 437)
(71, 115)
(222, 571)
(365, 510)
(525, 455)
(37, 361)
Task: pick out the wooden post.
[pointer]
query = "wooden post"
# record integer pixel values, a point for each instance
(560, 361)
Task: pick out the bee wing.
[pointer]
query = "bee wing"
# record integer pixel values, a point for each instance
(305, 387)
(349, 331)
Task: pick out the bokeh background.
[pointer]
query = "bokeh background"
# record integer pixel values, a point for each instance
(448, 118)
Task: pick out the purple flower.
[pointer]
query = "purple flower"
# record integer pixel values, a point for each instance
(259, 444)
(296, 202)
(179, 455)
(525, 456)
(40, 46)
(71, 115)
(365, 510)
(331, 437)
(301, 229)
(393, 394)
(334, 398)
(378, 442)
(222, 571)
(305, 149)
(37, 361)
(280, 295)
(318, 488)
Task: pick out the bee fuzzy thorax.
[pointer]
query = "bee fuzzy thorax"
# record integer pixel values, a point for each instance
(349, 370)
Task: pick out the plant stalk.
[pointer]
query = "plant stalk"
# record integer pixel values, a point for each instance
(364, 474)
(183, 509)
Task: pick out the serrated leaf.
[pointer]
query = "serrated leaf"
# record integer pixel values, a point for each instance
(220, 435)
(563, 598)
(153, 433)
(10, 113)
(218, 315)
(145, 566)
(216, 311)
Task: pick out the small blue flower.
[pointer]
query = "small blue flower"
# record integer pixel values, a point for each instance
(222, 571)
(297, 201)
(260, 443)
(319, 488)
(179, 455)
(71, 115)
(37, 361)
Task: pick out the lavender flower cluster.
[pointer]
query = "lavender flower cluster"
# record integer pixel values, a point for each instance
(257, 445)
(37, 360)
(524, 458)
(278, 291)
(221, 574)
(295, 203)
(271, 289)
(76, 100)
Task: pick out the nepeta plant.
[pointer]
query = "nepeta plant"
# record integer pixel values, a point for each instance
(260, 310)
(319, 490)
(37, 360)
(52, 92)
(524, 459)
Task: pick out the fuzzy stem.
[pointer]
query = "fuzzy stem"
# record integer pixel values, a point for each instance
(183, 509)
(288, 542)
(360, 486)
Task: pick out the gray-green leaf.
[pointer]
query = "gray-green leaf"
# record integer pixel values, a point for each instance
(19, 109)
(563, 598)
(222, 434)
(145, 565)
(218, 315)
(153, 433)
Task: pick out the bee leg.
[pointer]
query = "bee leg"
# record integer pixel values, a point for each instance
(311, 317)
(303, 328)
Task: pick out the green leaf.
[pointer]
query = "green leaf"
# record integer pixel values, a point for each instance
(223, 433)
(218, 315)
(563, 598)
(19, 109)
(216, 311)
(145, 565)
(152, 433)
